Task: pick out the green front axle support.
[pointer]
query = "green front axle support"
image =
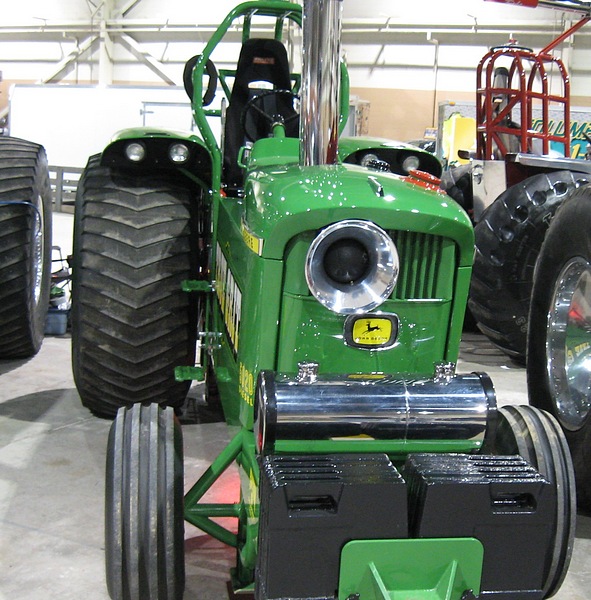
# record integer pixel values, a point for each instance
(201, 514)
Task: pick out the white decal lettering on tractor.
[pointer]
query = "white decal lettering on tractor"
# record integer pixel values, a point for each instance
(229, 297)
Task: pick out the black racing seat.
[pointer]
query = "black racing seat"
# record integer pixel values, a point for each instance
(261, 60)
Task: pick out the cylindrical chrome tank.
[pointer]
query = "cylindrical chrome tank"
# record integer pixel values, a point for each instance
(460, 408)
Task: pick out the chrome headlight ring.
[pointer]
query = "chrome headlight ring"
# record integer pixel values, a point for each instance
(352, 266)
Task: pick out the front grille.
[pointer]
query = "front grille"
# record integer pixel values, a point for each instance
(427, 266)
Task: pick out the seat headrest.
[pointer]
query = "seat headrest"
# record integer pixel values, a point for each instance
(261, 60)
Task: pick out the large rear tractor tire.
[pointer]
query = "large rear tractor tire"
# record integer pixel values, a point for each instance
(559, 341)
(144, 526)
(25, 247)
(135, 241)
(536, 436)
(508, 239)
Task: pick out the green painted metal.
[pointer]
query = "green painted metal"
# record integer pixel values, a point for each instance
(241, 451)
(279, 211)
(271, 151)
(309, 332)
(427, 265)
(189, 373)
(194, 285)
(249, 516)
(200, 514)
(292, 199)
(396, 449)
(452, 350)
(411, 569)
(424, 299)
(295, 327)
(138, 133)
(349, 145)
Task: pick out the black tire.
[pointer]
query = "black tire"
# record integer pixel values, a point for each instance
(508, 239)
(559, 341)
(144, 526)
(457, 182)
(25, 247)
(134, 243)
(536, 436)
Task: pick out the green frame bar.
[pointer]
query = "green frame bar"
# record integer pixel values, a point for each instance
(200, 514)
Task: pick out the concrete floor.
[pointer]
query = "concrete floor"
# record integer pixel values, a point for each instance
(52, 474)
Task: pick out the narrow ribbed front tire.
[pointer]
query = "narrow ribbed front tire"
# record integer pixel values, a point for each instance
(536, 436)
(144, 527)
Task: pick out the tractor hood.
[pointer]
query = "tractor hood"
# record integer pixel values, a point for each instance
(284, 201)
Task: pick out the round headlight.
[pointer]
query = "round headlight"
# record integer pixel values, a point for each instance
(410, 162)
(178, 153)
(352, 266)
(135, 152)
(346, 261)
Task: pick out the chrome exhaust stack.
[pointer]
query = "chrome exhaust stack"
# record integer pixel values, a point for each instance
(319, 106)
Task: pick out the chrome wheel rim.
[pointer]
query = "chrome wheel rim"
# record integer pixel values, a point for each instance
(568, 344)
(38, 253)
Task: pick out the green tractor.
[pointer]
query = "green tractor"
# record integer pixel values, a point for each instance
(319, 285)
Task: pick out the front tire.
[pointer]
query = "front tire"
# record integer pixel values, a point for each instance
(25, 247)
(536, 436)
(559, 342)
(134, 244)
(144, 527)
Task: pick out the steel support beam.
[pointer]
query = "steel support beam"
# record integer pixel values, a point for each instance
(67, 64)
(128, 7)
(106, 46)
(144, 57)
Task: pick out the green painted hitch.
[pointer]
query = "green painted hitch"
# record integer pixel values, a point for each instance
(411, 569)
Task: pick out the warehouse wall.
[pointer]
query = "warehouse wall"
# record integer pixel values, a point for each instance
(404, 58)
(404, 114)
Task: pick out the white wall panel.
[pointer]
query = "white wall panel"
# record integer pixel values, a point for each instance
(74, 122)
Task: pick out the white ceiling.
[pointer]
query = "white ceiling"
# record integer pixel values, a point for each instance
(200, 11)
(376, 33)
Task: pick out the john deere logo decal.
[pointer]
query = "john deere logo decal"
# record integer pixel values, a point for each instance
(371, 331)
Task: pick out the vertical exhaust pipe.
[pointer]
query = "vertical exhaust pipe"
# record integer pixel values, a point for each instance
(319, 106)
